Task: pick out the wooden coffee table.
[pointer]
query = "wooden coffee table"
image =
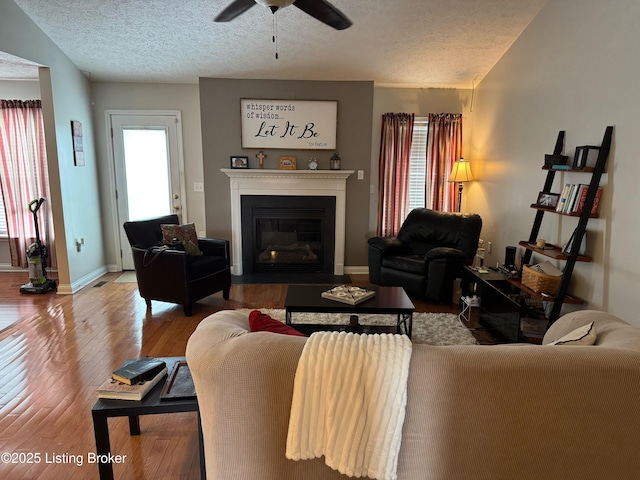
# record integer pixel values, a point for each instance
(388, 300)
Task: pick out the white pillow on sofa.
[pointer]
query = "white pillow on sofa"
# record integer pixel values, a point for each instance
(585, 335)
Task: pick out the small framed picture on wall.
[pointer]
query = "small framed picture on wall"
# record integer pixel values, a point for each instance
(78, 148)
(239, 162)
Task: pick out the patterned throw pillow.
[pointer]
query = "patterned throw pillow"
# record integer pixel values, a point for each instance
(185, 234)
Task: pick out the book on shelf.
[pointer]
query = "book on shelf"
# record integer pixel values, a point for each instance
(596, 201)
(116, 390)
(348, 294)
(573, 197)
(134, 371)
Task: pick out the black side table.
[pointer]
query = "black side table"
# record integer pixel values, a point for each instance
(151, 404)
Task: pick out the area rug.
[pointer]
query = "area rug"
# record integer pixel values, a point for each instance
(428, 328)
(126, 277)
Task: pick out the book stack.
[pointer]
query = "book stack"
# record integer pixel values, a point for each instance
(573, 196)
(134, 379)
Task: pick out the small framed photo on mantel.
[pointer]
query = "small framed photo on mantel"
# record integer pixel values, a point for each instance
(239, 162)
(287, 162)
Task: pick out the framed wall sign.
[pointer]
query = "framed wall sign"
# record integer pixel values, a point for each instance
(291, 124)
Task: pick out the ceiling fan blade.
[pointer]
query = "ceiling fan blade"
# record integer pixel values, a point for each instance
(325, 12)
(234, 9)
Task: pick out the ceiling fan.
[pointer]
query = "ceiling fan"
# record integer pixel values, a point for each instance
(318, 9)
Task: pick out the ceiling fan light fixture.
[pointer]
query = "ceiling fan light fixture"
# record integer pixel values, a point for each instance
(321, 10)
(274, 5)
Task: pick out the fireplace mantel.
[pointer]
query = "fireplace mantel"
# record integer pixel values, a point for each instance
(287, 182)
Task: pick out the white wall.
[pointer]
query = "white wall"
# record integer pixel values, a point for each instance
(19, 89)
(145, 96)
(575, 68)
(74, 190)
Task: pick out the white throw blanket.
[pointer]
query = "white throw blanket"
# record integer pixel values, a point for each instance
(349, 400)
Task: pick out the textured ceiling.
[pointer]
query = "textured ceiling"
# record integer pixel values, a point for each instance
(427, 43)
(15, 68)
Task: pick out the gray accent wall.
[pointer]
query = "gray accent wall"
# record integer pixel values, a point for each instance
(220, 120)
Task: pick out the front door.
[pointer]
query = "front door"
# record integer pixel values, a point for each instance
(147, 150)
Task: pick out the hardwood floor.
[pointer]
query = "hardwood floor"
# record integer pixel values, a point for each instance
(55, 350)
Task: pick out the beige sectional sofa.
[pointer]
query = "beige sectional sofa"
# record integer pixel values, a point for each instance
(473, 412)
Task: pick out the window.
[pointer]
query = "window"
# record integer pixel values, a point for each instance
(418, 163)
(3, 219)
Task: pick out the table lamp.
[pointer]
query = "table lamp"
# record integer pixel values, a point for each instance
(460, 173)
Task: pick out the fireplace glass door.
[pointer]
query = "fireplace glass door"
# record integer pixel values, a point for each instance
(289, 242)
(288, 234)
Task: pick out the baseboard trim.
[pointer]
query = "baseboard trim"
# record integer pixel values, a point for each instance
(66, 289)
(6, 267)
(357, 270)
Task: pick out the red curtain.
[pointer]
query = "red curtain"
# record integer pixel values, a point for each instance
(444, 147)
(393, 177)
(24, 177)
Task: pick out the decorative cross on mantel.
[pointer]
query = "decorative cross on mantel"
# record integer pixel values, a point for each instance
(261, 156)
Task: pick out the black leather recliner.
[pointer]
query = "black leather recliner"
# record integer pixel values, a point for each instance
(427, 255)
(171, 275)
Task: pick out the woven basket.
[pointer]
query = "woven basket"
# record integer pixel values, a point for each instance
(540, 282)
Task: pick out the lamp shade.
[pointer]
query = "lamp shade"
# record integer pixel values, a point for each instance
(461, 171)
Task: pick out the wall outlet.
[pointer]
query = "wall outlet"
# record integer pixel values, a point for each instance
(360, 174)
(198, 187)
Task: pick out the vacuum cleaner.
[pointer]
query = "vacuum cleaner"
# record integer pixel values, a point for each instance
(37, 259)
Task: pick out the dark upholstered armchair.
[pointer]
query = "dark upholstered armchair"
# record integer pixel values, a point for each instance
(172, 275)
(427, 255)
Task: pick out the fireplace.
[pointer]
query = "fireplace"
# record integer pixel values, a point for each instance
(288, 233)
(289, 183)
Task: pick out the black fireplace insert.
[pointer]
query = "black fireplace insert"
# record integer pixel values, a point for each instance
(288, 233)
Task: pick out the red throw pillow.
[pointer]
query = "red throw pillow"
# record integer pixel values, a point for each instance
(261, 322)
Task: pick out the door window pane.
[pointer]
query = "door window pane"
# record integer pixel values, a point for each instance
(147, 172)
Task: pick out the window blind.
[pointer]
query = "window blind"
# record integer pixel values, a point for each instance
(418, 163)
(3, 219)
